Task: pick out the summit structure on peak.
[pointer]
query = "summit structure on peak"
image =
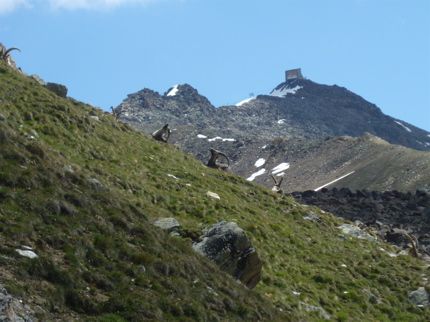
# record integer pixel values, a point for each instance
(293, 74)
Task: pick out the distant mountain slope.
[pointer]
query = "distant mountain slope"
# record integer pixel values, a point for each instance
(298, 115)
(368, 161)
(297, 108)
(80, 190)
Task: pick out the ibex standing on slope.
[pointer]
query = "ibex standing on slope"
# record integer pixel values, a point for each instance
(162, 134)
(277, 187)
(213, 161)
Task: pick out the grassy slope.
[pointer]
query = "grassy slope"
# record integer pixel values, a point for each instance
(92, 251)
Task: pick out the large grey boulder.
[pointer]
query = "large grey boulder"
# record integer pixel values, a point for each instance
(227, 245)
(356, 232)
(12, 310)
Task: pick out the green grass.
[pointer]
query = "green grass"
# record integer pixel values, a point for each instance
(101, 259)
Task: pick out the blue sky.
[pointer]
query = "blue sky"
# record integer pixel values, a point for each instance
(105, 49)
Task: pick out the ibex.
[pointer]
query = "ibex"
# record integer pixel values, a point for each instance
(277, 187)
(5, 53)
(115, 113)
(414, 245)
(162, 134)
(213, 161)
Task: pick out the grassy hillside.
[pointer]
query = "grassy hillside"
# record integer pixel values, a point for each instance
(82, 190)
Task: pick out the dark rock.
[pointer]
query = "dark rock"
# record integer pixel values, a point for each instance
(397, 237)
(53, 206)
(227, 245)
(58, 89)
(67, 209)
(391, 213)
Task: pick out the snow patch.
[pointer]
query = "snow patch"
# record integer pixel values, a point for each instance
(280, 168)
(284, 90)
(201, 136)
(215, 138)
(327, 184)
(221, 139)
(172, 176)
(259, 163)
(264, 146)
(256, 174)
(280, 174)
(173, 91)
(27, 253)
(245, 101)
(282, 121)
(403, 126)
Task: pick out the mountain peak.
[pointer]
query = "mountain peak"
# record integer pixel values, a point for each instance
(181, 90)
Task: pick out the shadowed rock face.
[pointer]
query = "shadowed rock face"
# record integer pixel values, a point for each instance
(227, 245)
(391, 213)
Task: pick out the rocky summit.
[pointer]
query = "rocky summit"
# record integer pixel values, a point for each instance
(319, 133)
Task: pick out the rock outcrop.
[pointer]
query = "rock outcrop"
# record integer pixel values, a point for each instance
(12, 310)
(420, 297)
(227, 245)
(58, 89)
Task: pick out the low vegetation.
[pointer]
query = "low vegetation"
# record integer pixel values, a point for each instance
(81, 189)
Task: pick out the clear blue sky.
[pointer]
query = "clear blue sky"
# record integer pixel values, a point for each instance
(104, 49)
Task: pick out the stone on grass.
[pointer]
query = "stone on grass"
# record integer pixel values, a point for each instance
(95, 118)
(313, 308)
(356, 232)
(213, 195)
(227, 245)
(420, 297)
(171, 225)
(312, 217)
(96, 184)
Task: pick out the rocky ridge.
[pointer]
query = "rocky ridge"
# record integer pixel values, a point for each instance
(312, 127)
